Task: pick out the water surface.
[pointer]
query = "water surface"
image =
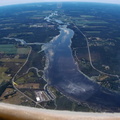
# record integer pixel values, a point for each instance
(63, 73)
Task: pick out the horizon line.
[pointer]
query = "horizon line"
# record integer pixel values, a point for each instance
(101, 2)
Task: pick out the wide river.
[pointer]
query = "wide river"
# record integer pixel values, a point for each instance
(62, 72)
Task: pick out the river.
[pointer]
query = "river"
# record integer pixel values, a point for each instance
(62, 72)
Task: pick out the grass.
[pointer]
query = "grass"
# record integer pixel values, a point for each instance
(47, 12)
(8, 49)
(118, 38)
(91, 22)
(90, 32)
(28, 78)
(17, 34)
(11, 49)
(87, 16)
(12, 60)
(84, 19)
(23, 50)
(3, 75)
(77, 18)
(86, 26)
(15, 99)
(20, 80)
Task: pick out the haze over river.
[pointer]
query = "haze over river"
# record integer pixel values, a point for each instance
(62, 72)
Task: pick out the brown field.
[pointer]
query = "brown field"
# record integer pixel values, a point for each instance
(15, 99)
(29, 85)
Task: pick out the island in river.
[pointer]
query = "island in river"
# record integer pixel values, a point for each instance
(60, 58)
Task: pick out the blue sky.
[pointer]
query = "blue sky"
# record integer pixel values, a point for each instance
(10, 2)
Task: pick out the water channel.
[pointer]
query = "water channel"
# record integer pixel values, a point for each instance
(62, 72)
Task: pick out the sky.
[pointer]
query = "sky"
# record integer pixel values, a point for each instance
(10, 2)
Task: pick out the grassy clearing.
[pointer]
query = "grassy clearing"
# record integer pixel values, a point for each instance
(91, 22)
(86, 26)
(3, 75)
(87, 16)
(11, 49)
(15, 99)
(8, 49)
(47, 12)
(84, 19)
(77, 18)
(118, 38)
(92, 32)
(23, 50)
(26, 78)
(12, 60)
(7, 20)
(37, 18)
(17, 34)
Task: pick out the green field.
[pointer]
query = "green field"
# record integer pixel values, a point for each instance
(12, 49)
(3, 75)
(118, 38)
(23, 50)
(86, 26)
(90, 32)
(8, 49)
(91, 22)
(86, 20)
(26, 78)
(7, 60)
(87, 16)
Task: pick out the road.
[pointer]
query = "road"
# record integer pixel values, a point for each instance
(37, 71)
(89, 53)
(13, 82)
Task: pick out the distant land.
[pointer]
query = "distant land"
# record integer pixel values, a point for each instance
(14, 2)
